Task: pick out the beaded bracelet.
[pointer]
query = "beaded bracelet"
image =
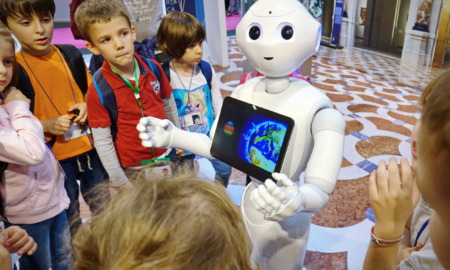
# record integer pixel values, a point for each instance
(383, 242)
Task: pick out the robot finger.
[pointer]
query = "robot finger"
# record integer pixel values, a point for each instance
(272, 203)
(258, 202)
(276, 191)
(282, 179)
(144, 136)
(147, 143)
(145, 121)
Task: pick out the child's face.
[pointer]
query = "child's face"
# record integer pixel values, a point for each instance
(6, 65)
(114, 40)
(432, 176)
(34, 33)
(193, 54)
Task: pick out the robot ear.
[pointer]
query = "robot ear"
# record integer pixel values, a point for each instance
(318, 38)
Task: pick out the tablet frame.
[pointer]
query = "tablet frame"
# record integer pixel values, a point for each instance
(238, 112)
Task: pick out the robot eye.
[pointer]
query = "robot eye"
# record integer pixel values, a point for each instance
(287, 32)
(254, 32)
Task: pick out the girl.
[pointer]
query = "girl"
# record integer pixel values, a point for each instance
(32, 193)
(180, 36)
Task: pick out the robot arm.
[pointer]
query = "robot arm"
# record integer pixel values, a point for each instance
(282, 200)
(155, 132)
(328, 128)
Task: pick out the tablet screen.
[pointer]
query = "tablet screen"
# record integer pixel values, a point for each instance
(250, 138)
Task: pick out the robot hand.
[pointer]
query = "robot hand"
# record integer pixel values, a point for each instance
(155, 132)
(277, 201)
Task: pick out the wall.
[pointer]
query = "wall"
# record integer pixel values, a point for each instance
(62, 11)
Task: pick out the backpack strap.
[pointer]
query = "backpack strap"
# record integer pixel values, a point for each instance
(25, 86)
(166, 67)
(76, 64)
(205, 67)
(107, 99)
(153, 67)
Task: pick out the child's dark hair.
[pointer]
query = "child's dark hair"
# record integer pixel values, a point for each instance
(25, 8)
(177, 31)
(94, 11)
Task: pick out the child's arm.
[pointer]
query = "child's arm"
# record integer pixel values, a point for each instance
(390, 194)
(216, 96)
(23, 141)
(170, 109)
(108, 156)
(5, 258)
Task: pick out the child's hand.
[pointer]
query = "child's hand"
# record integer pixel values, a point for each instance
(14, 94)
(16, 240)
(81, 110)
(404, 252)
(390, 194)
(58, 125)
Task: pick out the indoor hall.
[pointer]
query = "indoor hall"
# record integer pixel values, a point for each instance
(378, 96)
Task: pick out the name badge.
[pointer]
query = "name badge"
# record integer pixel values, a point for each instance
(191, 120)
(76, 131)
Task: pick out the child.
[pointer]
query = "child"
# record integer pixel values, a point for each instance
(57, 98)
(106, 27)
(180, 35)
(32, 191)
(390, 191)
(14, 240)
(168, 223)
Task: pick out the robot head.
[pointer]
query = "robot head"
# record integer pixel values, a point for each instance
(278, 36)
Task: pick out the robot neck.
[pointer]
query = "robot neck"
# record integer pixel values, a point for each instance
(275, 85)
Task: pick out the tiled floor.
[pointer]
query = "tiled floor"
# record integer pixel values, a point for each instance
(378, 98)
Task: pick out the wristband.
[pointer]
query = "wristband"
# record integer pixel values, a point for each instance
(383, 242)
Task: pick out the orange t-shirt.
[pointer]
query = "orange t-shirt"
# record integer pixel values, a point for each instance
(55, 92)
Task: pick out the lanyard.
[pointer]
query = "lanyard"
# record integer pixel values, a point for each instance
(135, 89)
(419, 233)
(136, 92)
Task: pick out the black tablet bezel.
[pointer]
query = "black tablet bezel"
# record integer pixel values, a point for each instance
(238, 112)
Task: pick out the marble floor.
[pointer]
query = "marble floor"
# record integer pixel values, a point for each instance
(378, 97)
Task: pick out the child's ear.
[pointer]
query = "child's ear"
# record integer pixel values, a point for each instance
(92, 48)
(133, 32)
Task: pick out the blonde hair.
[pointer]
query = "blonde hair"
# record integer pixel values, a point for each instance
(179, 30)
(435, 122)
(6, 36)
(95, 11)
(171, 223)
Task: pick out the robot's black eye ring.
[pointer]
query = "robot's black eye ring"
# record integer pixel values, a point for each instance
(254, 32)
(287, 32)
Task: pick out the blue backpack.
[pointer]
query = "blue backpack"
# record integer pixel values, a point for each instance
(107, 97)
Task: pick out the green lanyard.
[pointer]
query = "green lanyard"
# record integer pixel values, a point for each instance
(136, 92)
(135, 89)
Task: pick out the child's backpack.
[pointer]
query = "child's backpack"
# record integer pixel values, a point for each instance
(106, 94)
(204, 67)
(74, 60)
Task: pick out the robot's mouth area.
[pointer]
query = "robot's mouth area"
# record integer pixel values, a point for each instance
(268, 58)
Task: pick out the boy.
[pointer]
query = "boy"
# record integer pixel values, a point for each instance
(390, 191)
(58, 100)
(180, 35)
(106, 27)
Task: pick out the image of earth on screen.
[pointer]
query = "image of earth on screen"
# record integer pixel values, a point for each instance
(261, 141)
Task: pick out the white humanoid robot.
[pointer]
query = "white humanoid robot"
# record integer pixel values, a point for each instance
(277, 37)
